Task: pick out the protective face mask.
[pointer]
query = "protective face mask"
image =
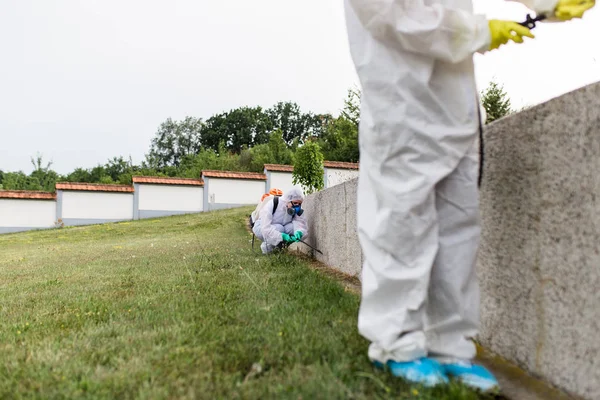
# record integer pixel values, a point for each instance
(295, 210)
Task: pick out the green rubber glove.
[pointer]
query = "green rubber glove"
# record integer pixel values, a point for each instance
(503, 31)
(287, 238)
(298, 236)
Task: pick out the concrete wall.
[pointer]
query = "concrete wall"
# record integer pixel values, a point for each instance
(331, 217)
(279, 180)
(540, 254)
(161, 200)
(83, 204)
(18, 215)
(539, 260)
(335, 176)
(82, 208)
(228, 193)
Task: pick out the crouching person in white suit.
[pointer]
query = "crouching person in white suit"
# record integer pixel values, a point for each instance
(281, 221)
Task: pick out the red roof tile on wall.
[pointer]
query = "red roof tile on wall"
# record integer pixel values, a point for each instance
(327, 164)
(340, 165)
(93, 187)
(168, 180)
(279, 167)
(234, 175)
(26, 194)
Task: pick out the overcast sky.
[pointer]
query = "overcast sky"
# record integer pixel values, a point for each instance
(83, 81)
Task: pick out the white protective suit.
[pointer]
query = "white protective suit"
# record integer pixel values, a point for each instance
(418, 220)
(269, 227)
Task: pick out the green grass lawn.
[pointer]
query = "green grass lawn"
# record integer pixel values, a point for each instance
(178, 307)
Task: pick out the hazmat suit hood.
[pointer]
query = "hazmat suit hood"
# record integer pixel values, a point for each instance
(293, 194)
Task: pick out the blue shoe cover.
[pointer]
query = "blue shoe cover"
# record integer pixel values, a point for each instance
(423, 371)
(474, 376)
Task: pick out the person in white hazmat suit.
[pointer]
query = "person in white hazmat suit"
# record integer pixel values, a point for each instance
(417, 205)
(286, 225)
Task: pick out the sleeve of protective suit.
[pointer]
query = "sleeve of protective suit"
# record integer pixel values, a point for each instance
(300, 224)
(271, 235)
(448, 34)
(539, 6)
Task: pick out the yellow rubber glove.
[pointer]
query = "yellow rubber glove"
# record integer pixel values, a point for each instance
(503, 31)
(569, 9)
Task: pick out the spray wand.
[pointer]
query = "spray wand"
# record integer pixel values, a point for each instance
(531, 22)
(317, 250)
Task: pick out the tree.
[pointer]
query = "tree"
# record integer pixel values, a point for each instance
(174, 140)
(215, 132)
(316, 126)
(289, 120)
(105, 179)
(340, 142)
(255, 158)
(245, 126)
(295, 125)
(351, 110)
(308, 168)
(98, 174)
(274, 152)
(117, 168)
(280, 152)
(79, 175)
(43, 175)
(20, 181)
(192, 165)
(495, 102)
